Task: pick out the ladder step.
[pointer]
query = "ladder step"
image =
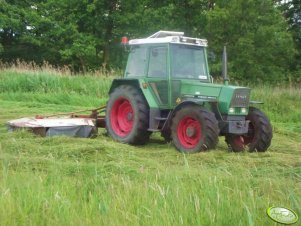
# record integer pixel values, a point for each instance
(160, 118)
(153, 130)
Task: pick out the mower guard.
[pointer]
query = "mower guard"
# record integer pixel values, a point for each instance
(68, 124)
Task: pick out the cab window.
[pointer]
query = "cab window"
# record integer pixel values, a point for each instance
(137, 61)
(189, 62)
(157, 62)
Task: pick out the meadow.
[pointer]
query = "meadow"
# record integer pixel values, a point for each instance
(75, 181)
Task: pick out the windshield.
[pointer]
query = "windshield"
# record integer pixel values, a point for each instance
(188, 62)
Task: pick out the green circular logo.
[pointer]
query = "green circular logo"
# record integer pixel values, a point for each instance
(282, 215)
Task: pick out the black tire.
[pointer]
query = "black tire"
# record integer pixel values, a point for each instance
(259, 136)
(194, 129)
(129, 102)
(166, 134)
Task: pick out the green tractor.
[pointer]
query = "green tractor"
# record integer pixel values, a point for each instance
(167, 88)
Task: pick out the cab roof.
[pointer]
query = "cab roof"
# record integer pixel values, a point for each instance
(169, 37)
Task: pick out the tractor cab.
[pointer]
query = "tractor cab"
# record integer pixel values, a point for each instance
(165, 59)
(172, 56)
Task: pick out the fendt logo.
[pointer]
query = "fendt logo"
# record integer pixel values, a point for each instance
(239, 96)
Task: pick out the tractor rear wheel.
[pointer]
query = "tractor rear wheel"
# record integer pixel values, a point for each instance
(194, 129)
(127, 115)
(259, 135)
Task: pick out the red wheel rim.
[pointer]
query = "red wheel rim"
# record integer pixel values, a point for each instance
(122, 117)
(244, 140)
(189, 132)
(239, 141)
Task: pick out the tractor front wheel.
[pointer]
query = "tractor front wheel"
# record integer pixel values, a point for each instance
(194, 129)
(127, 115)
(166, 134)
(259, 135)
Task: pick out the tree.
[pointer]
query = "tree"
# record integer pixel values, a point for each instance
(18, 36)
(292, 11)
(85, 34)
(255, 32)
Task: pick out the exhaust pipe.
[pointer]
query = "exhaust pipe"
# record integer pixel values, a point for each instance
(225, 69)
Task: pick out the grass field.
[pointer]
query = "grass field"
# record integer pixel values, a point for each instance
(73, 181)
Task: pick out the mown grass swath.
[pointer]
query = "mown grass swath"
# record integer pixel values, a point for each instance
(73, 181)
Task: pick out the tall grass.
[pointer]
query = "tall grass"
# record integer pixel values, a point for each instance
(50, 88)
(19, 66)
(50, 83)
(282, 104)
(72, 181)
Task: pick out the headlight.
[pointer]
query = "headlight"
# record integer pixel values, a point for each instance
(243, 110)
(231, 110)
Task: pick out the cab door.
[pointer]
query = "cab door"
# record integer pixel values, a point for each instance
(158, 74)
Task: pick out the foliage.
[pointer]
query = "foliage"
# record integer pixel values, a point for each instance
(73, 181)
(292, 12)
(85, 34)
(258, 51)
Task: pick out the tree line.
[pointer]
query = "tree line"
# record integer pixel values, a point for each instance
(263, 37)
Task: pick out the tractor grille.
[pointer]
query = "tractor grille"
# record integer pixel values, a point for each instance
(240, 98)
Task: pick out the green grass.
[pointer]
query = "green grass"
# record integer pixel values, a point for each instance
(73, 181)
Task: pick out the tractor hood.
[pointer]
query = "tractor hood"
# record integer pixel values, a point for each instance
(227, 96)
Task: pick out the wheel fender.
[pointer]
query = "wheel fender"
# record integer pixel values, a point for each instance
(118, 82)
(137, 83)
(184, 104)
(196, 102)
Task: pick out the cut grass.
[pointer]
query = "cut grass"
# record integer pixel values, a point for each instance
(73, 181)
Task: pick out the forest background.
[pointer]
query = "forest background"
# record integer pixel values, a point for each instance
(263, 36)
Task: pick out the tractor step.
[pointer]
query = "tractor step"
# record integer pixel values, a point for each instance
(160, 118)
(153, 130)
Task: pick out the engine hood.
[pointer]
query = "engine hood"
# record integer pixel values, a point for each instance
(226, 96)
